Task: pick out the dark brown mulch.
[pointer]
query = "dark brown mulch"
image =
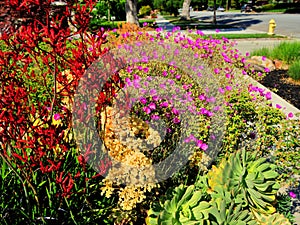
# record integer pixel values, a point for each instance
(286, 88)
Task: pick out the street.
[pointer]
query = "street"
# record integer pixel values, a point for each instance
(286, 24)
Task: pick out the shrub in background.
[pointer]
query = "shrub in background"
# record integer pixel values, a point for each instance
(145, 11)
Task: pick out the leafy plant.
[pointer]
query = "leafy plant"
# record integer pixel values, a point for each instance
(252, 180)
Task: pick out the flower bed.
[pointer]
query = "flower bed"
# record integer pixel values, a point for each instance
(136, 127)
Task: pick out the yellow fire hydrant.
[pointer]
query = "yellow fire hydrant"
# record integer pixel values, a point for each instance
(272, 26)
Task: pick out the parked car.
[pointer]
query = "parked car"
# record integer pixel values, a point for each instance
(220, 9)
(210, 8)
(246, 8)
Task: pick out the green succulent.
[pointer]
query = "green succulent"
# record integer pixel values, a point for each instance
(251, 181)
(185, 208)
(273, 219)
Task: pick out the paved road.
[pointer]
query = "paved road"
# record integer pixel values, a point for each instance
(287, 24)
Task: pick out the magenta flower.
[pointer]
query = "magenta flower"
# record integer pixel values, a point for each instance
(290, 115)
(152, 92)
(176, 120)
(278, 106)
(152, 106)
(56, 116)
(164, 104)
(268, 96)
(292, 194)
(147, 110)
(267, 70)
(155, 98)
(155, 117)
(228, 88)
(175, 111)
(145, 24)
(143, 100)
(263, 58)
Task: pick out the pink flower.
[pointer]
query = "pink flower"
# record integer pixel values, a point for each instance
(278, 106)
(292, 194)
(164, 104)
(152, 92)
(290, 115)
(155, 117)
(56, 116)
(152, 106)
(143, 100)
(147, 110)
(267, 70)
(268, 96)
(176, 120)
(228, 88)
(175, 111)
(217, 71)
(263, 58)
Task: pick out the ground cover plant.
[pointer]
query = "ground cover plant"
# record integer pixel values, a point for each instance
(178, 127)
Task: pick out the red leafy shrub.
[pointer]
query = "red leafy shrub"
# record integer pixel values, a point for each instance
(41, 63)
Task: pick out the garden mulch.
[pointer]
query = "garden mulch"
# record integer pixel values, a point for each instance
(279, 82)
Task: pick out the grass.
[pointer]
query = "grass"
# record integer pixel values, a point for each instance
(237, 36)
(115, 24)
(294, 71)
(288, 52)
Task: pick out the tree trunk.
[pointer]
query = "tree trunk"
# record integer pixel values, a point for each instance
(185, 15)
(215, 16)
(131, 12)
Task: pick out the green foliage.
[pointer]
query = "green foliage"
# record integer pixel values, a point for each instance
(288, 52)
(294, 70)
(228, 194)
(283, 206)
(170, 6)
(273, 219)
(252, 181)
(145, 11)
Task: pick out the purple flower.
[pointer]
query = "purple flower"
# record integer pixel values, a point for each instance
(292, 194)
(267, 70)
(155, 117)
(155, 98)
(56, 116)
(147, 110)
(278, 106)
(263, 58)
(152, 92)
(201, 97)
(268, 95)
(152, 106)
(145, 24)
(164, 104)
(175, 111)
(176, 120)
(143, 100)
(228, 88)
(290, 115)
